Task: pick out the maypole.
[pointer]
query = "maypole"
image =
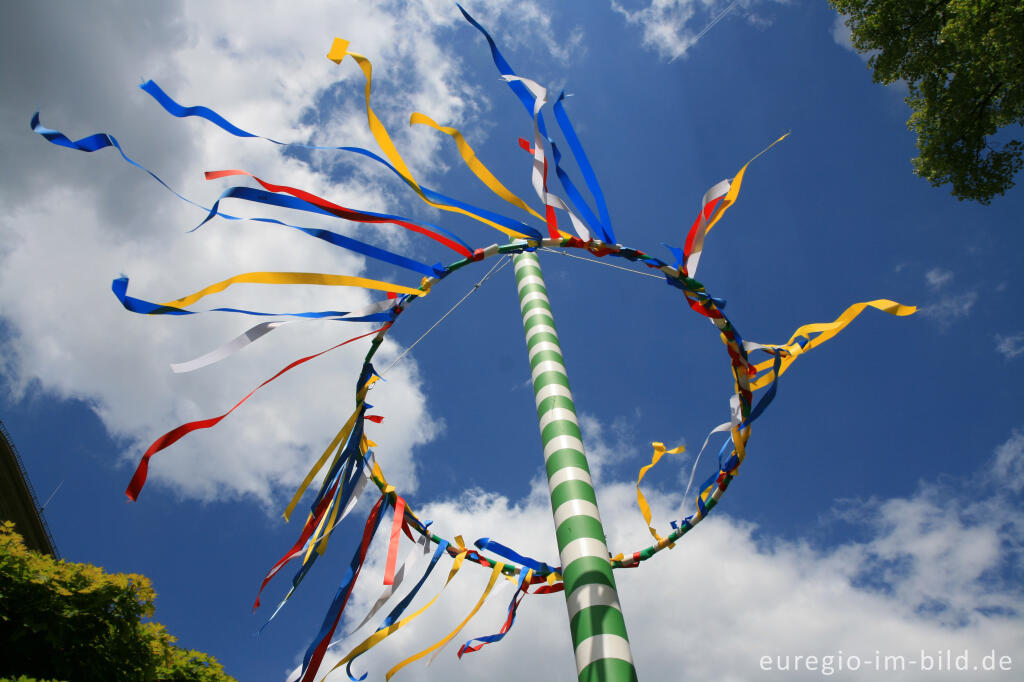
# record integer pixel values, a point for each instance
(595, 618)
(596, 623)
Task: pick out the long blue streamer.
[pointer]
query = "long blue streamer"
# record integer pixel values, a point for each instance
(285, 201)
(575, 198)
(99, 141)
(489, 545)
(505, 69)
(96, 142)
(600, 226)
(176, 109)
(344, 589)
(584, 163)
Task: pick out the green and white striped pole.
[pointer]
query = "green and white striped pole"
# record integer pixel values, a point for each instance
(595, 618)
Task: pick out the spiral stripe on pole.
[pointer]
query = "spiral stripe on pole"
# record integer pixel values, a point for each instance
(595, 617)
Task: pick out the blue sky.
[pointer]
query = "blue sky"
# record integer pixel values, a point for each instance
(880, 505)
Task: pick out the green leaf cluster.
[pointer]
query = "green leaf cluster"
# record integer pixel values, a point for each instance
(69, 621)
(963, 62)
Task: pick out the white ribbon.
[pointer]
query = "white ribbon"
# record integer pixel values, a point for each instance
(255, 333)
(716, 192)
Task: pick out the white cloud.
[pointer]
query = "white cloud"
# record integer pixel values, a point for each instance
(842, 34)
(931, 571)
(1011, 345)
(937, 278)
(950, 308)
(843, 37)
(1009, 464)
(75, 220)
(671, 27)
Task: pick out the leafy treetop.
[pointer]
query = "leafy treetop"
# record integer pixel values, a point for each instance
(963, 62)
(68, 621)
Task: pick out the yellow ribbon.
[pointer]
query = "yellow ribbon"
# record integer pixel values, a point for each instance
(379, 636)
(341, 436)
(824, 331)
(479, 169)
(734, 186)
(495, 572)
(645, 509)
(293, 278)
(336, 506)
(339, 49)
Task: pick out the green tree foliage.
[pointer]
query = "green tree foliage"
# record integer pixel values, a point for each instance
(963, 61)
(68, 621)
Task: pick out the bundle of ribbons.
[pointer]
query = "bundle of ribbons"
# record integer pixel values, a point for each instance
(348, 462)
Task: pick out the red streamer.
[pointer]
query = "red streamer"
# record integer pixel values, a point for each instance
(341, 211)
(311, 524)
(174, 435)
(396, 535)
(321, 648)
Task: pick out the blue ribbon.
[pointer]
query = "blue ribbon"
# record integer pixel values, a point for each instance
(95, 143)
(341, 596)
(210, 115)
(396, 613)
(574, 196)
(488, 545)
(136, 305)
(285, 201)
(102, 140)
(588, 172)
(513, 605)
(769, 395)
(505, 69)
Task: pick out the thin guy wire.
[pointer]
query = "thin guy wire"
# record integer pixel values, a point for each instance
(597, 262)
(497, 266)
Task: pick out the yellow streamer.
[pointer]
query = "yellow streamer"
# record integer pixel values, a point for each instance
(645, 509)
(495, 572)
(379, 636)
(338, 439)
(293, 278)
(341, 435)
(479, 169)
(339, 49)
(734, 186)
(825, 331)
(316, 534)
(336, 507)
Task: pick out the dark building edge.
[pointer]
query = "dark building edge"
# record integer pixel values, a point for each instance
(18, 501)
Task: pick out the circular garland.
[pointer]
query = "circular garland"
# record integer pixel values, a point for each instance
(701, 302)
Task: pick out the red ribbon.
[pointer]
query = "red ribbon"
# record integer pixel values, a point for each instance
(173, 436)
(396, 535)
(341, 211)
(321, 648)
(311, 524)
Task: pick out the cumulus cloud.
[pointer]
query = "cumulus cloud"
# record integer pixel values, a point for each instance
(931, 571)
(950, 308)
(74, 221)
(1011, 345)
